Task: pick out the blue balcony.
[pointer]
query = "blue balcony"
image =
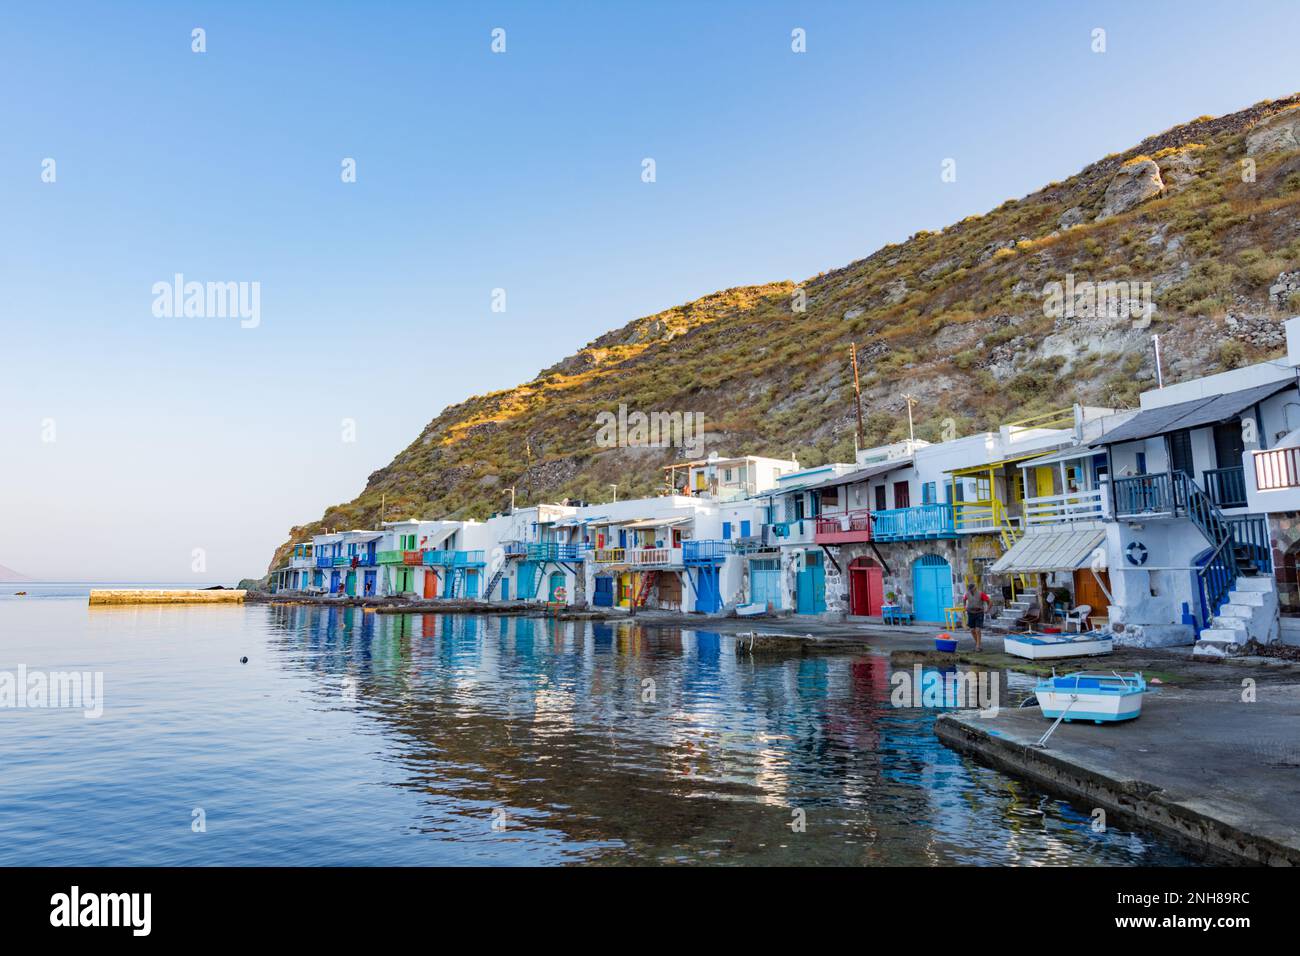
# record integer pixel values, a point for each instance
(553, 551)
(437, 558)
(913, 524)
(1145, 495)
(705, 551)
(324, 561)
(467, 559)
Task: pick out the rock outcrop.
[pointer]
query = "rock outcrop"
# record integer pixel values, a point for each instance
(1281, 131)
(1137, 181)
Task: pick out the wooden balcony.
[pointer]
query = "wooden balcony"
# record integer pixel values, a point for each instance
(844, 528)
(390, 557)
(916, 523)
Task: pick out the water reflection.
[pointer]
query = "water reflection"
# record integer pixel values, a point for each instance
(627, 743)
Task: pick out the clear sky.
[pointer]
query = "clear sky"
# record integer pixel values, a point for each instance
(128, 440)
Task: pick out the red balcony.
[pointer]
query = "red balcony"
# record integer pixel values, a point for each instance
(844, 528)
(412, 557)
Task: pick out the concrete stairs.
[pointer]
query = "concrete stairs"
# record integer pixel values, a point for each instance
(1250, 612)
(1005, 619)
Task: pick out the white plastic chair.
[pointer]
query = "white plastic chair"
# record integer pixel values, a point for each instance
(1078, 617)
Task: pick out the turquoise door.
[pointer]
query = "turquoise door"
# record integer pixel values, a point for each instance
(810, 586)
(765, 582)
(505, 589)
(931, 587)
(352, 583)
(557, 582)
(471, 584)
(528, 575)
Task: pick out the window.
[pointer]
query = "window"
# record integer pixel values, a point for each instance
(927, 493)
(1180, 451)
(983, 489)
(726, 475)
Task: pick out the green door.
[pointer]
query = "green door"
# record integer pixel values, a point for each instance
(810, 585)
(352, 583)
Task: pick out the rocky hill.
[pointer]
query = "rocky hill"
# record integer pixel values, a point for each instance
(1202, 220)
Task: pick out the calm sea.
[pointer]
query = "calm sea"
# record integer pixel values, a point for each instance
(355, 738)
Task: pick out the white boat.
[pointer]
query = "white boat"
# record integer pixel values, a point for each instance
(1101, 698)
(1038, 647)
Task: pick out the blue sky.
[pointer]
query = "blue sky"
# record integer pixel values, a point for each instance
(476, 171)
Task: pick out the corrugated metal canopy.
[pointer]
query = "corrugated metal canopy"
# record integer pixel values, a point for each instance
(1193, 414)
(654, 523)
(862, 474)
(1044, 551)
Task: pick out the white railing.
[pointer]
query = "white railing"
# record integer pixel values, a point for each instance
(654, 557)
(1071, 506)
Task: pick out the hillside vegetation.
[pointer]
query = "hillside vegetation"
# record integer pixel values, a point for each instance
(956, 318)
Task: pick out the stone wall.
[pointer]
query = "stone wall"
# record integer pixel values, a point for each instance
(897, 577)
(1284, 532)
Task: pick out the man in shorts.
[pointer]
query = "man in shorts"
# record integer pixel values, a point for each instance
(977, 605)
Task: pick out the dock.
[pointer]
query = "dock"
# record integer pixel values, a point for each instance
(1216, 773)
(122, 596)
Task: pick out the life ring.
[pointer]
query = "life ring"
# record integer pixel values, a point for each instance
(1136, 553)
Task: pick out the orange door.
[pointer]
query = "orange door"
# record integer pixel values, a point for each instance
(430, 583)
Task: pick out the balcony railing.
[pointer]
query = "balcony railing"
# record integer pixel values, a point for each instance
(439, 557)
(324, 561)
(1277, 468)
(1071, 506)
(844, 528)
(412, 557)
(979, 515)
(390, 557)
(1145, 495)
(554, 551)
(654, 557)
(1226, 486)
(467, 559)
(751, 544)
(915, 523)
(705, 551)
(609, 555)
(514, 549)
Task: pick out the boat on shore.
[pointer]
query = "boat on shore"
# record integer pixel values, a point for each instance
(1038, 647)
(1101, 698)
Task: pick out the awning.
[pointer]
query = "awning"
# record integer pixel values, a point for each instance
(862, 474)
(1193, 414)
(967, 471)
(1043, 551)
(437, 537)
(653, 523)
(360, 537)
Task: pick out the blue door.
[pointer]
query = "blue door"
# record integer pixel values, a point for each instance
(334, 582)
(471, 584)
(505, 589)
(529, 571)
(765, 582)
(604, 596)
(810, 585)
(708, 598)
(370, 583)
(931, 587)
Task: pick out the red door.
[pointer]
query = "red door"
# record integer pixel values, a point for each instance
(866, 587)
(430, 583)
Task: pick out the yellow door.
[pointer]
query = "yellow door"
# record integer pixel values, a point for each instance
(1043, 479)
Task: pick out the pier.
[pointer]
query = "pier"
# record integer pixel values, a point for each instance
(119, 596)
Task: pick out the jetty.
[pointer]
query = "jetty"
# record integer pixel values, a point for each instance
(121, 596)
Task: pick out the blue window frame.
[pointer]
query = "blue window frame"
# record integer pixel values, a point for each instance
(928, 493)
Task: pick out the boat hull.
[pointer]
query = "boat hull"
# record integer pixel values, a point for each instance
(1039, 647)
(1101, 698)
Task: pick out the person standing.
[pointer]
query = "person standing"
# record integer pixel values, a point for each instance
(977, 605)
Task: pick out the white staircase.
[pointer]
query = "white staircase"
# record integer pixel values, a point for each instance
(1250, 612)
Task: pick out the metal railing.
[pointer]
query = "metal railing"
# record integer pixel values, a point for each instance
(390, 557)
(705, 551)
(654, 557)
(1250, 535)
(609, 555)
(553, 551)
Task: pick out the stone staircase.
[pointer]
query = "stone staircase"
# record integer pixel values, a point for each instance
(1012, 611)
(1250, 612)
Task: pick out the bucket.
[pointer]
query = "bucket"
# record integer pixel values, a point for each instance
(945, 643)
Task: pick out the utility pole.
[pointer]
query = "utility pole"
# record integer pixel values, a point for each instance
(615, 487)
(857, 395)
(511, 489)
(911, 433)
(382, 499)
(1160, 373)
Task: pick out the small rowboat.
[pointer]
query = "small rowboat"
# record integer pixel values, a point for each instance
(1101, 698)
(1037, 647)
